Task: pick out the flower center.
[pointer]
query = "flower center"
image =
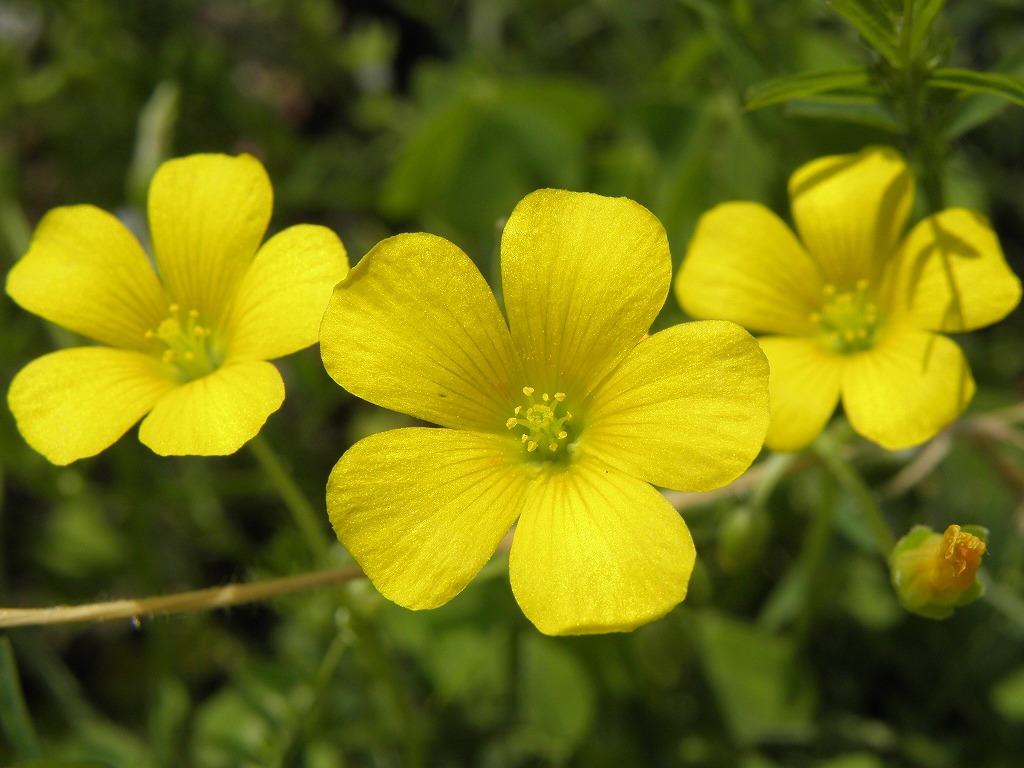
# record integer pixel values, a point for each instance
(187, 343)
(544, 430)
(849, 320)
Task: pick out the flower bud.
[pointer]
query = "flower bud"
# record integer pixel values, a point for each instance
(933, 573)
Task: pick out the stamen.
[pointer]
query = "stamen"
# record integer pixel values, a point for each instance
(541, 422)
(187, 343)
(848, 321)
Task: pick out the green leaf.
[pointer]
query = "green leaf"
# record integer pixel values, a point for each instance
(925, 12)
(556, 697)
(153, 138)
(60, 763)
(852, 760)
(1009, 87)
(762, 689)
(1008, 696)
(806, 84)
(873, 23)
(841, 110)
(978, 109)
(14, 717)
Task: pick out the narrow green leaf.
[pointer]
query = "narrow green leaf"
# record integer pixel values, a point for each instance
(873, 24)
(59, 763)
(806, 84)
(925, 13)
(14, 717)
(1009, 87)
(153, 138)
(977, 109)
(859, 111)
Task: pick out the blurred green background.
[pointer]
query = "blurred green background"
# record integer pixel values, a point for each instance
(402, 115)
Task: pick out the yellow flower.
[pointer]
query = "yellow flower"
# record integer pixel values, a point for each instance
(562, 418)
(933, 573)
(853, 311)
(188, 347)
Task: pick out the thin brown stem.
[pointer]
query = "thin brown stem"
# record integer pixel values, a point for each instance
(182, 602)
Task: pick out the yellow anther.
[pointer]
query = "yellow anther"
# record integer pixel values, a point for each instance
(541, 421)
(962, 550)
(186, 343)
(848, 320)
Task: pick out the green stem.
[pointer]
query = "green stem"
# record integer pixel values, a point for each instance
(1005, 600)
(812, 554)
(304, 720)
(827, 449)
(909, 83)
(14, 715)
(306, 518)
(774, 468)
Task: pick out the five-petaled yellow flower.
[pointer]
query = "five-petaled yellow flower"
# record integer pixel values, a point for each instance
(562, 418)
(853, 311)
(186, 343)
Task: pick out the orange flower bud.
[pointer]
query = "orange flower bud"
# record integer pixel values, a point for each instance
(934, 573)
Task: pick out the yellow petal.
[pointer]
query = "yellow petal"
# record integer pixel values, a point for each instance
(282, 299)
(85, 271)
(744, 264)
(687, 409)
(597, 551)
(415, 328)
(907, 388)
(850, 210)
(217, 414)
(584, 277)
(950, 274)
(207, 216)
(421, 510)
(74, 403)
(803, 390)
